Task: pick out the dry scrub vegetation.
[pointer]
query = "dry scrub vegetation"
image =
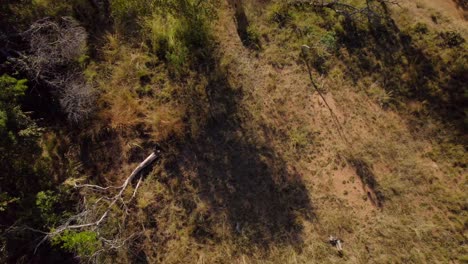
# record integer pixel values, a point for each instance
(255, 167)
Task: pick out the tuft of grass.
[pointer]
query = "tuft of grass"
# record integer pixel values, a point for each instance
(165, 121)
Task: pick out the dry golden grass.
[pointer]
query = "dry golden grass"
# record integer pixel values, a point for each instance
(250, 149)
(165, 121)
(414, 224)
(130, 92)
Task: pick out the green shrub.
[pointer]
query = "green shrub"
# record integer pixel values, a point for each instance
(177, 57)
(14, 124)
(45, 202)
(253, 38)
(194, 34)
(83, 243)
(329, 41)
(181, 41)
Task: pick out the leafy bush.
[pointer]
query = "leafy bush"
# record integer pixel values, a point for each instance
(83, 243)
(52, 206)
(329, 41)
(15, 126)
(5, 200)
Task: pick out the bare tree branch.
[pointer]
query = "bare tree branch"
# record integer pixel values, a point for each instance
(55, 49)
(92, 217)
(114, 200)
(54, 44)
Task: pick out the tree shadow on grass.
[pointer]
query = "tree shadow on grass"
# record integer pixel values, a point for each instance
(393, 57)
(249, 40)
(462, 4)
(246, 184)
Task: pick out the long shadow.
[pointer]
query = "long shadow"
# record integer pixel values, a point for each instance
(368, 179)
(243, 24)
(246, 184)
(462, 4)
(387, 53)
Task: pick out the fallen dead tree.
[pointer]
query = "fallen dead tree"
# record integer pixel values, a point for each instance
(93, 215)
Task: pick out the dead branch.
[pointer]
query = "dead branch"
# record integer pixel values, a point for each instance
(54, 45)
(77, 98)
(55, 48)
(88, 219)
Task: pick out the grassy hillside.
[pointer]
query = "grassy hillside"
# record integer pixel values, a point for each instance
(260, 160)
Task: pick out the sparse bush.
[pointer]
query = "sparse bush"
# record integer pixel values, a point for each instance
(436, 17)
(299, 138)
(165, 121)
(450, 153)
(56, 52)
(77, 99)
(421, 28)
(319, 58)
(380, 95)
(329, 41)
(451, 39)
(281, 15)
(54, 45)
(253, 38)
